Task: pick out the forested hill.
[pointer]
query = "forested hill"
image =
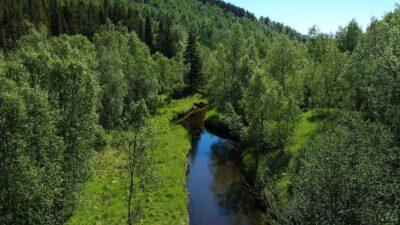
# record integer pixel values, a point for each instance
(73, 70)
(240, 12)
(318, 122)
(209, 18)
(231, 8)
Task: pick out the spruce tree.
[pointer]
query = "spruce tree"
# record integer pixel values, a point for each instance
(148, 33)
(3, 39)
(55, 23)
(165, 38)
(192, 59)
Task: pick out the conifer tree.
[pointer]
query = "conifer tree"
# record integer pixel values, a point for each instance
(148, 33)
(192, 59)
(165, 38)
(55, 23)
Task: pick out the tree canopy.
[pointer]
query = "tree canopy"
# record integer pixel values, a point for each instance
(73, 70)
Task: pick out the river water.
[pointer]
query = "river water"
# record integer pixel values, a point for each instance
(215, 180)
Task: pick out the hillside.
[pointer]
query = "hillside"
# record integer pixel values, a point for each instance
(208, 18)
(89, 90)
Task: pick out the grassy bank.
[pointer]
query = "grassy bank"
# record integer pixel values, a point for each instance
(214, 124)
(104, 197)
(307, 125)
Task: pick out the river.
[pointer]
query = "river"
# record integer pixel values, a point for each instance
(215, 181)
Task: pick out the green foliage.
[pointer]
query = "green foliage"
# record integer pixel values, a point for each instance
(231, 8)
(345, 177)
(232, 73)
(283, 61)
(213, 123)
(127, 74)
(324, 80)
(58, 92)
(139, 162)
(270, 114)
(348, 37)
(374, 73)
(281, 28)
(112, 54)
(166, 39)
(141, 75)
(30, 155)
(328, 84)
(103, 199)
(192, 58)
(73, 88)
(348, 173)
(148, 33)
(170, 75)
(316, 44)
(65, 17)
(63, 68)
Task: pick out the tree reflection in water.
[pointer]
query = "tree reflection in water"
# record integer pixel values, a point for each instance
(228, 185)
(215, 180)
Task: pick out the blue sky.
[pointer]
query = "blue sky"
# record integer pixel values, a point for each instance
(328, 15)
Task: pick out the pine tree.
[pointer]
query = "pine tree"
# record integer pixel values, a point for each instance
(165, 38)
(148, 33)
(55, 23)
(74, 23)
(3, 39)
(93, 20)
(194, 77)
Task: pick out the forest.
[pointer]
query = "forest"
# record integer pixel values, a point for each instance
(90, 90)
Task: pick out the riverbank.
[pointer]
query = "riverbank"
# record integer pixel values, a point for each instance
(214, 123)
(304, 130)
(280, 159)
(103, 198)
(215, 179)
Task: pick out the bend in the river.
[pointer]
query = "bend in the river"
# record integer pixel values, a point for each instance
(215, 180)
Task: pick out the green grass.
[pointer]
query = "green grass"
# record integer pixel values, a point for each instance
(104, 197)
(169, 111)
(213, 120)
(215, 124)
(211, 113)
(308, 124)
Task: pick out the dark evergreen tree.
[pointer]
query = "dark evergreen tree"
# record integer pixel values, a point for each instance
(237, 11)
(192, 59)
(55, 23)
(3, 39)
(148, 33)
(64, 16)
(165, 40)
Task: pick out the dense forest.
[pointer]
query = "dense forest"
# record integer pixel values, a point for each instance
(79, 76)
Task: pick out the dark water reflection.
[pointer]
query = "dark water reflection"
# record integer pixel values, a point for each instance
(215, 180)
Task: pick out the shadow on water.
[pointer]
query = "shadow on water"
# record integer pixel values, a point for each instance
(215, 180)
